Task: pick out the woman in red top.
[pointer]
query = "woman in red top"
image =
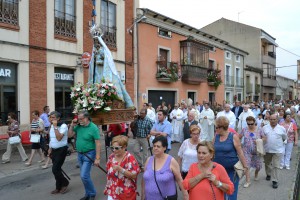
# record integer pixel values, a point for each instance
(122, 171)
(207, 179)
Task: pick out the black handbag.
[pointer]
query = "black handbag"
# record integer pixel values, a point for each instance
(172, 197)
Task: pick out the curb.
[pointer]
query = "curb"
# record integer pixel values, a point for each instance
(295, 182)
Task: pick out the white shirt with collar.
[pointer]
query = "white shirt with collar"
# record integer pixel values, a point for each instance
(54, 143)
(230, 116)
(275, 138)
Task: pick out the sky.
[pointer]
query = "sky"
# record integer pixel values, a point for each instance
(280, 19)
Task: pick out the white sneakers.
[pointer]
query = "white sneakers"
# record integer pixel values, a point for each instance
(247, 184)
(280, 167)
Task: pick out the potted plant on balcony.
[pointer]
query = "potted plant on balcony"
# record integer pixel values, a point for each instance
(214, 77)
(170, 73)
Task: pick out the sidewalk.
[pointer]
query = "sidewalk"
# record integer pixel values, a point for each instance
(262, 189)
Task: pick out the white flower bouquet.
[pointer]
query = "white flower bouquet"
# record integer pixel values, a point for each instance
(93, 97)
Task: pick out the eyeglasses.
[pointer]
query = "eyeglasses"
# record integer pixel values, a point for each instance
(115, 148)
(250, 124)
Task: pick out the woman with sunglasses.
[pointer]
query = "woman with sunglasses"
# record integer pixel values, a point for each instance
(251, 133)
(228, 152)
(122, 171)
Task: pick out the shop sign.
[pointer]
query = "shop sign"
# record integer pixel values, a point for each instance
(5, 72)
(64, 77)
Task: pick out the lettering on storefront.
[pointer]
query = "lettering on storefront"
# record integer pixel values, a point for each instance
(64, 77)
(5, 72)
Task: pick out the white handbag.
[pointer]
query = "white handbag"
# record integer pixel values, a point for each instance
(35, 138)
(14, 140)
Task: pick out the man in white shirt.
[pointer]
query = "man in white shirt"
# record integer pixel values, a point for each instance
(274, 135)
(242, 118)
(150, 113)
(229, 115)
(207, 118)
(176, 115)
(58, 148)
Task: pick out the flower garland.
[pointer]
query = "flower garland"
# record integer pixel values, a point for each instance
(93, 97)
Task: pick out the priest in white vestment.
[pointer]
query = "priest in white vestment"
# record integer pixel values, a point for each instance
(177, 124)
(207, 119)
(242, 118)
(229, 115)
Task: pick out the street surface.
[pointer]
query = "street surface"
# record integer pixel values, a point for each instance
(35, 183)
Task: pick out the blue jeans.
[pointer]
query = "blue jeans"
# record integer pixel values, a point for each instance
(235, 180)
(85, 171)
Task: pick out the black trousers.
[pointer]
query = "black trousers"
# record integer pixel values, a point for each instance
(58, 159)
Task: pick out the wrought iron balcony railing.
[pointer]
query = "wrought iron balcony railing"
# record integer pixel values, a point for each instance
(64, 24)
(109, 36)
(9, 12)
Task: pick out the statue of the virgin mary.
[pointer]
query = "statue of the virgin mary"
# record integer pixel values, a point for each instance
(105, 67)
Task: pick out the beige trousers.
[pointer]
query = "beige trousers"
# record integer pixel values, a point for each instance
(272, 164)
(7, 154)
(141, 142)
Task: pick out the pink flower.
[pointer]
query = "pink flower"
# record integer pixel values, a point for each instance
(95, 108)
(76, 94)
(109, 94)
(87, 94)
(115, 93)
(106, 87)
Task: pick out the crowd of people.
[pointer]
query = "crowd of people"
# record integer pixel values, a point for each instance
(211, 144)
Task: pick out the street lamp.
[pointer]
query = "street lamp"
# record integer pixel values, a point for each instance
(129, 30)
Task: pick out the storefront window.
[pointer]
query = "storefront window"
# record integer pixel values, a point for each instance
(8, 91)
(64, 80)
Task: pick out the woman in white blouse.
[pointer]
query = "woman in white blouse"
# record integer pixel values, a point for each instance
(187, 154)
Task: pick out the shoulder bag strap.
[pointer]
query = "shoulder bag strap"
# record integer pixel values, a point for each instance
(155, 179)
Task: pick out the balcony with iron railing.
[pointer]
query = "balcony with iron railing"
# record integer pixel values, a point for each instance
(64, 25)
(109, 36)
(167, 71)
(257, 88)
(231, 81)
(249, 87)
(9, 13)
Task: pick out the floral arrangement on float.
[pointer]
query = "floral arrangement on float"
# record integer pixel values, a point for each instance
(93, 97)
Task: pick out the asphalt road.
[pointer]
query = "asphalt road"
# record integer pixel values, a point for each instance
(37, 183)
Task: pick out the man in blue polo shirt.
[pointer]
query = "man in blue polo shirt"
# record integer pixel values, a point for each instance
(162, 127)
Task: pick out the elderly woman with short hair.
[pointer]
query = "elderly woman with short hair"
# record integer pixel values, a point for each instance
(228, 152)
(122, 171)
(187, 154)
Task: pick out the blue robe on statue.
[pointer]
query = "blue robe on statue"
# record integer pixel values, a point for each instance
(108, 72)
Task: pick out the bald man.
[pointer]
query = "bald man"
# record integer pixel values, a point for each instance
(229, 115)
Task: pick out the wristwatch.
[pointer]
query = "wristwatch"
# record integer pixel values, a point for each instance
(219, 184)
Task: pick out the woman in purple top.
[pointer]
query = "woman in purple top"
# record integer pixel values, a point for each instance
(161, 173)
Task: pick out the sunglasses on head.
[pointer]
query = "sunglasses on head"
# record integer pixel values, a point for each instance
(115, 148)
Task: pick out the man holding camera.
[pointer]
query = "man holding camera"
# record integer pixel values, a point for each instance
(58, 148)
(143, 128)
